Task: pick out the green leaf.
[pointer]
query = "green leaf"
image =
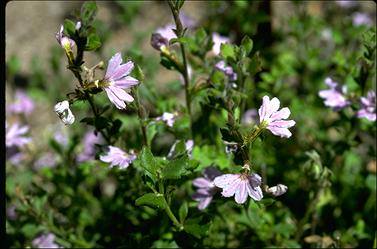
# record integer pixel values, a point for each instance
(87, 120)
(69, 28)
(193, 227)
(93, 42)
(115, 126)
(151, 199)
(138, 73)
(227, 51)
(88, 11)
(183, 211)
(175, 168)
(246, 46)
(101, 123)
(149, 163)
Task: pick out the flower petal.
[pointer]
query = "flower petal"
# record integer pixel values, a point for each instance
(201, 183)
(229, 190)
(121, 94)
(282, 123)
(203, 203)
(126, 82)
(255, 193)
(225, 180)
(122, 71)
(272, 107)
(282, 132)
(241, 193)
(262, 109)
(114, 99)
(282, 114)
(114, 63)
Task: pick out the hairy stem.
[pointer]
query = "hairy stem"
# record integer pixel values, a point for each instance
(140, 113)
(184, 72)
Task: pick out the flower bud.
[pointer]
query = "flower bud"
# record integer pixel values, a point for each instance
(277, 190)
(64, 113)
(157, 41)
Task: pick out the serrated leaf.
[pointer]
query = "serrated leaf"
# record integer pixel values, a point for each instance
(149, 163)
(227, 51)
(151, 199)
(88, 11)
(246, 45)
(138, 73)
(175, 168)
(93, 42)
(183, 211)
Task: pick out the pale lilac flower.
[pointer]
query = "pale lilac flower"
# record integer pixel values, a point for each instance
(11, 212)
(217, 41)
(117, 79)
(167, 31)
(168, 118)
(277, 190)
(240, 185)
(206, 187)
(15, 135)
(16, 157)
(335, 96)
(118, 157)
(359, 19)
(227, 70)
(346, 4)
(250, 117)
(61, 138)
(45, 241)
(64, 41)
(368, 107)
(158, 41)
(22, 104)
(89, 152)
(274, 119)
(47, 160)
(64, 113)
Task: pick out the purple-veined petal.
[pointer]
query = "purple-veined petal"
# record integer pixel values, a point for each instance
(272, 107)
(122, 71)
(282, 114)
(126, 82)
(282, 123)
(114, 99)
(241, 193)
(114, 63)
(121, 94)
(225, 180)
(230, 189)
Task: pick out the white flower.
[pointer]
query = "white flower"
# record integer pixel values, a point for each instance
(277, 190)
(64, 113)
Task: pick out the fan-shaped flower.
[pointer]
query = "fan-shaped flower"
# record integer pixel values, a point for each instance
(240, 185)
(273, 119)
(117, 79)
(118, 157)
(206, 187)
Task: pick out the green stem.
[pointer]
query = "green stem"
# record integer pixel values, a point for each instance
(167, 207)
(140, 114)
(78, 76)
(184, 72)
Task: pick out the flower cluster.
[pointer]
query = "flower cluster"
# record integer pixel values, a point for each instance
(336, 98)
